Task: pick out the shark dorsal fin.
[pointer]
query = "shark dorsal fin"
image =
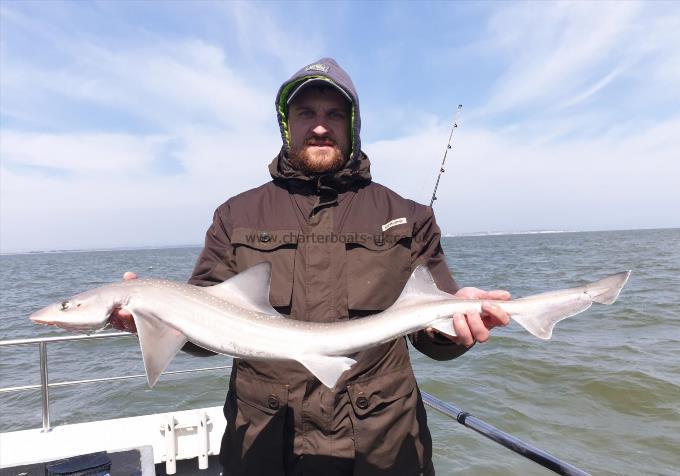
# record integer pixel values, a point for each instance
(248, 290)
(420, 287)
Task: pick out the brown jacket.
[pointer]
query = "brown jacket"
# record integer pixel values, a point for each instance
(331, 261)
(341, 247)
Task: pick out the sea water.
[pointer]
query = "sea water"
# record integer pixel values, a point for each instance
(603, 394)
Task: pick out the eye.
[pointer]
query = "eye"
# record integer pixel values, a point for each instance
(64, 306)
(305, 113)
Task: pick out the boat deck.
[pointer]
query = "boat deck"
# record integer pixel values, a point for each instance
(195, 435)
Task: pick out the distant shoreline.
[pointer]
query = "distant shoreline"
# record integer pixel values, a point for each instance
(96, 250)
(527, 232)
(446, 235)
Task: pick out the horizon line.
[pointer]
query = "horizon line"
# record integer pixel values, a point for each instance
(197, 245)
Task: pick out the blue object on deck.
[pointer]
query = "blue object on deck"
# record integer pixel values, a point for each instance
(93, 464)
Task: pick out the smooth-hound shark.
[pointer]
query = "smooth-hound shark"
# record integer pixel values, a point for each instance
(235, 318)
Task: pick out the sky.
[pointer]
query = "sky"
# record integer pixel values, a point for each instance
(126, 124)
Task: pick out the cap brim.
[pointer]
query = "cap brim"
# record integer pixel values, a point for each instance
(310, 81)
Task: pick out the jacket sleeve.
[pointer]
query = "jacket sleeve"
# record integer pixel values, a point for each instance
(215, 264)
(426, 249)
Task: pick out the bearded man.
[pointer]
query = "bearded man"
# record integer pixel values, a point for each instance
(341, 247)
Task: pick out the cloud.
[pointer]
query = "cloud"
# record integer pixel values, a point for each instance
(600, 84)
(125, 146)
(511, 182)
(133, 136)
(109, 191)
(261, 34)
(91, 155)
(564, 53)
(178, 83)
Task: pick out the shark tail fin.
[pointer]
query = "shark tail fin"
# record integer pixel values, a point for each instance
(538, 314)
(605, 291)
(540, 317)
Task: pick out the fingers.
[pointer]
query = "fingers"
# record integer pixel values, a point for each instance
(463, 334)
(498, 294)
(470, 293)
(122, 320)
(430, 332)
(493, 316)
(477, 328)
(476, 293)
(469, 329)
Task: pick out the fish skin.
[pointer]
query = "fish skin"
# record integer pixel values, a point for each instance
(235, 318)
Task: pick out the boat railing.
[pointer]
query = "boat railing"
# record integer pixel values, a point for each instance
(45, 384)
(509, 441)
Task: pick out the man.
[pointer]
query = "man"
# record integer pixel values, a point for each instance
(341, 247)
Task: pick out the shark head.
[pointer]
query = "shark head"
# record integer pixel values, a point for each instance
(85, 312)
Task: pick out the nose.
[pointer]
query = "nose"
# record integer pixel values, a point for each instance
(320, 130)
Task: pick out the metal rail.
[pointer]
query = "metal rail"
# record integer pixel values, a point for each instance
(515, 444)
(45, 384)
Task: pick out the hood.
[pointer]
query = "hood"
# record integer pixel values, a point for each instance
(328, 70)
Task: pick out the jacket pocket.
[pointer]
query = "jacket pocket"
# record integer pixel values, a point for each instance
(253, 246)
(378, 266)
(265, 396)
(390, 434)
(254, 442)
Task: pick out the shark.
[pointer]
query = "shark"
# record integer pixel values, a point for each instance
(235, 318)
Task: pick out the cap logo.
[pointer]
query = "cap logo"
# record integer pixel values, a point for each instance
(318, 67)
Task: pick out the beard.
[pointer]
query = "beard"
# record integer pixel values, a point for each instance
(312, 161)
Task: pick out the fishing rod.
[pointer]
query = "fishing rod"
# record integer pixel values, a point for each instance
(446, 151)
(520, 447)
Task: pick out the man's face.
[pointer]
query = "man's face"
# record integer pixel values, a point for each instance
(318, 120)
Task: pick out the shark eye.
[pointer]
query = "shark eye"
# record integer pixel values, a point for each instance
(64, 305)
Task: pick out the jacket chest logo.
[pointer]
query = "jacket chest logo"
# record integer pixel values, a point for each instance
(395, 222)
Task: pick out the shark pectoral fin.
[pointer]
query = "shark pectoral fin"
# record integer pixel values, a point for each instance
(159, 343)
(445, 326)
(326, 368)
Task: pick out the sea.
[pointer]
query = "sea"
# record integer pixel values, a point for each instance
(603, 394)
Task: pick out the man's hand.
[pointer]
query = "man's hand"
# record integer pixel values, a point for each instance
(121, 319)
(471, 328)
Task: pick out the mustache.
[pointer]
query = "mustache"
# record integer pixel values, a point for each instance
(320, 141)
